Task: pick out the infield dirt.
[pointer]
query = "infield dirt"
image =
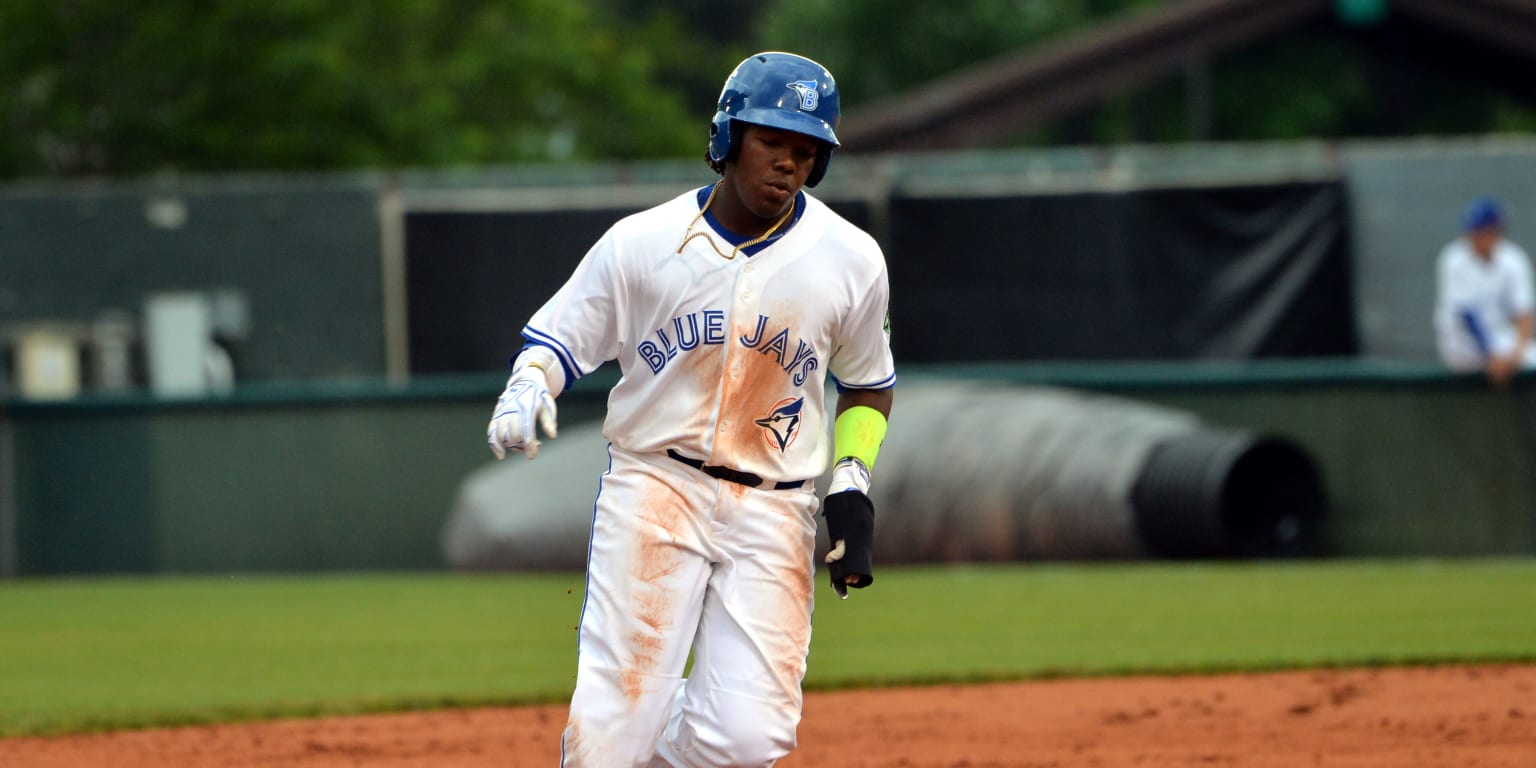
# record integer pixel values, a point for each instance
(1439, 717)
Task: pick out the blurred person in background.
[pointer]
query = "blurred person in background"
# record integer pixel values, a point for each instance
(1484, 298)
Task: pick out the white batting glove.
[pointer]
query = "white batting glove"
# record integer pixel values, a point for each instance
(525, 402)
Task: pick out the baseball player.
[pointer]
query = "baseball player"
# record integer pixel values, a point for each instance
(726, 309)
(1484, 298)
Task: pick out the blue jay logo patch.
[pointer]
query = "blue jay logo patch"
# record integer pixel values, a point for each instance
(783, 424)
(809, 97)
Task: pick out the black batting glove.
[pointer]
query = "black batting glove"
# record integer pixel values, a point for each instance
(851, 531)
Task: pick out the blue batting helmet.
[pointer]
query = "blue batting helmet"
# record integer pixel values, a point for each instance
(778, 90)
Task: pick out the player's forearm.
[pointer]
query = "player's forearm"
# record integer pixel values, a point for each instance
(857, 434)
(859, 428)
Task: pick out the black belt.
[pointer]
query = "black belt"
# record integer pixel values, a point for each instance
(732, 475)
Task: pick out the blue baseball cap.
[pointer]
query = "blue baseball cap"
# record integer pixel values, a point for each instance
(1482, 213)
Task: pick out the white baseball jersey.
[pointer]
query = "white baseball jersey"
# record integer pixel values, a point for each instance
(725, 360)
(1477, 302)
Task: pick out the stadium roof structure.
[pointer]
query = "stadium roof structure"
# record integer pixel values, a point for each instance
(1493, 41)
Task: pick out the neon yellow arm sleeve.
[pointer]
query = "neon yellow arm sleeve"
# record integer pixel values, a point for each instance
(858, 432)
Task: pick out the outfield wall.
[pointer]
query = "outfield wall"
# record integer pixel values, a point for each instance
(361, 476)
(1173, 252)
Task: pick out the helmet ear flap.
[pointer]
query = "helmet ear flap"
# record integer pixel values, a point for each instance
(735, 142)
(823, 157)
(724, 142)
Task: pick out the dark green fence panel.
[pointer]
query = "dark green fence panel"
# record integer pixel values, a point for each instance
(84, 495)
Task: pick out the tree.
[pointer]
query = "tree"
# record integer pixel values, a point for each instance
(310, 84)
(880, 47)
(1317, 82)
(90, 88)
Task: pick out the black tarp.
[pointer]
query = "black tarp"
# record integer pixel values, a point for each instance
(1181, 273)
(474, 278)
(1187, 273)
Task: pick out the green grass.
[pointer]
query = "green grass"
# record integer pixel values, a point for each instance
(81, 655)
(87, 655)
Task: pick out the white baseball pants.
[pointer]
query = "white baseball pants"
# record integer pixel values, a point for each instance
(680, 560)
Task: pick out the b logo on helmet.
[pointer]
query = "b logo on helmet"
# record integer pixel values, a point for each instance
(807, 91)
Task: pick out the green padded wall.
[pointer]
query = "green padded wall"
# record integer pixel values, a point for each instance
(361, 476)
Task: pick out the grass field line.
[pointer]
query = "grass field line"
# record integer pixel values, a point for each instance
(84, 654)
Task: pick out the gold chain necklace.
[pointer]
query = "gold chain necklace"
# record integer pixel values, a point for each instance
(689, 234)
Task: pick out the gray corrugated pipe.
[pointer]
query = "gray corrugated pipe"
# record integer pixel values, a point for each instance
(971, 472)
(993, 472)
(1229, 494)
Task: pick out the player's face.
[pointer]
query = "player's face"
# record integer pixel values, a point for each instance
(1483, 240)
(770, 169)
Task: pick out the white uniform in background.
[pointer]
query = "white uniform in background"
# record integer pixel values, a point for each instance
(1477, 302)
